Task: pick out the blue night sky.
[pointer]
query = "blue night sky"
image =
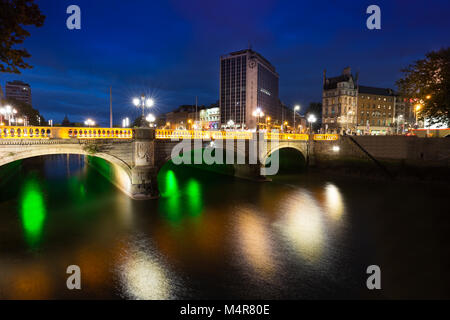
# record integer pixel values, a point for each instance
(171, 49)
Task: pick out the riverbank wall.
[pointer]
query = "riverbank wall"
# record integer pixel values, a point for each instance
(381, 157)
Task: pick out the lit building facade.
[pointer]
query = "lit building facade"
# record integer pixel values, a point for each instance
(339, 102)
(376, 110)
(210, 118)
(247, 81)
(19, 91)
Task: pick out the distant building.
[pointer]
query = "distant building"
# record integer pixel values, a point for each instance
(353, 108)
(376, 110)
(19, 91)
(339, 99)
(404, 117)
(247, 81)
(210, 117)
(183, 118)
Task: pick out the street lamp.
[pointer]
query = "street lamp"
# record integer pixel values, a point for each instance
(125, 122)
(89, 123)
(9, 112)
(296, 109)
(230, 123)
(311, 119)
(416, 110)
(351, 119)
(258, 113)
(143, 102)
(150, 118)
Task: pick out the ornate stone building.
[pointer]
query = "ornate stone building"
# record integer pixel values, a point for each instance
(339, 102)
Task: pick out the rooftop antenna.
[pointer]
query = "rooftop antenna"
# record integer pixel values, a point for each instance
(249, 45)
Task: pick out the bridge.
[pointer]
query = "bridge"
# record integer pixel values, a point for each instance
(136, 155)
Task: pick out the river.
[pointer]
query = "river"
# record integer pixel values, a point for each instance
(211, 236)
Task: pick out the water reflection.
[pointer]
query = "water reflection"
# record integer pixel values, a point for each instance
(255, 243)
(142, 277)
(194, 197)
(179, 199)
(333, 201)
(302, 225)
(33, 211)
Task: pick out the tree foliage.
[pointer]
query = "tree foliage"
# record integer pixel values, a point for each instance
(427, 83)
(14, 15)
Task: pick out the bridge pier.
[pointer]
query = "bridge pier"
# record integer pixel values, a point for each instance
(144, 183)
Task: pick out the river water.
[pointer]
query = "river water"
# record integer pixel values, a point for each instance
(301, 236)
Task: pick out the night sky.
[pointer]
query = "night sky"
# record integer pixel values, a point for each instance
(171, 49)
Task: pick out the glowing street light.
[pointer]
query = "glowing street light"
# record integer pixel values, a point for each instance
(89, 123)
(311, 119)
(296, 109)
(258, 113)
(8, 112)
(143, 102)
(230, 123)
(150, 118)
(417, 109)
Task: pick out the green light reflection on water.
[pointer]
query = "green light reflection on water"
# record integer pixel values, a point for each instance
(33, 211)
(194, 197)
(170, 192)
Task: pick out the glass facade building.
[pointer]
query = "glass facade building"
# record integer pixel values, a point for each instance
(247, 81)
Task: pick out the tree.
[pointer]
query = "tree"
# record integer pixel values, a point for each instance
(427, 83)
(14, 15)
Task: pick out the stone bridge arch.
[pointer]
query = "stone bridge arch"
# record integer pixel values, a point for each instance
(122, 170)
(301, 147)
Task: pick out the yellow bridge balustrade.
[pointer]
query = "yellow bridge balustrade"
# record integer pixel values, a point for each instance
(326, 137)
(18, 132)
(217, 135)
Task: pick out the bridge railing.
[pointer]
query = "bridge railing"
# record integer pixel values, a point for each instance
(238, 135)
(326, 137)
(18, 132)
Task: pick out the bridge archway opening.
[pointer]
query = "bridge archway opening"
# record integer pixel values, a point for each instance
(291, 160)
(114, 170)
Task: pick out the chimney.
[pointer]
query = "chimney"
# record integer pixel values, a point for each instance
(324, 76)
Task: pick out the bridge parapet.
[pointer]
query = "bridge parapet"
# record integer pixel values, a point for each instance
(20, 132)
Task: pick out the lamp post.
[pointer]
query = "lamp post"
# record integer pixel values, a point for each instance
(89, 123)
(268, 123)
(416, 111)
(351, 118)
(258, 114)
(8, 112)
(311, 119)
(143, 102)
(150, 118)
(296, 109)
(230, 123)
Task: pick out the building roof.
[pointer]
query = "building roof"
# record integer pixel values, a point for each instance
(251, 52)
(18, 83)
(331, 83)
(376, 91)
